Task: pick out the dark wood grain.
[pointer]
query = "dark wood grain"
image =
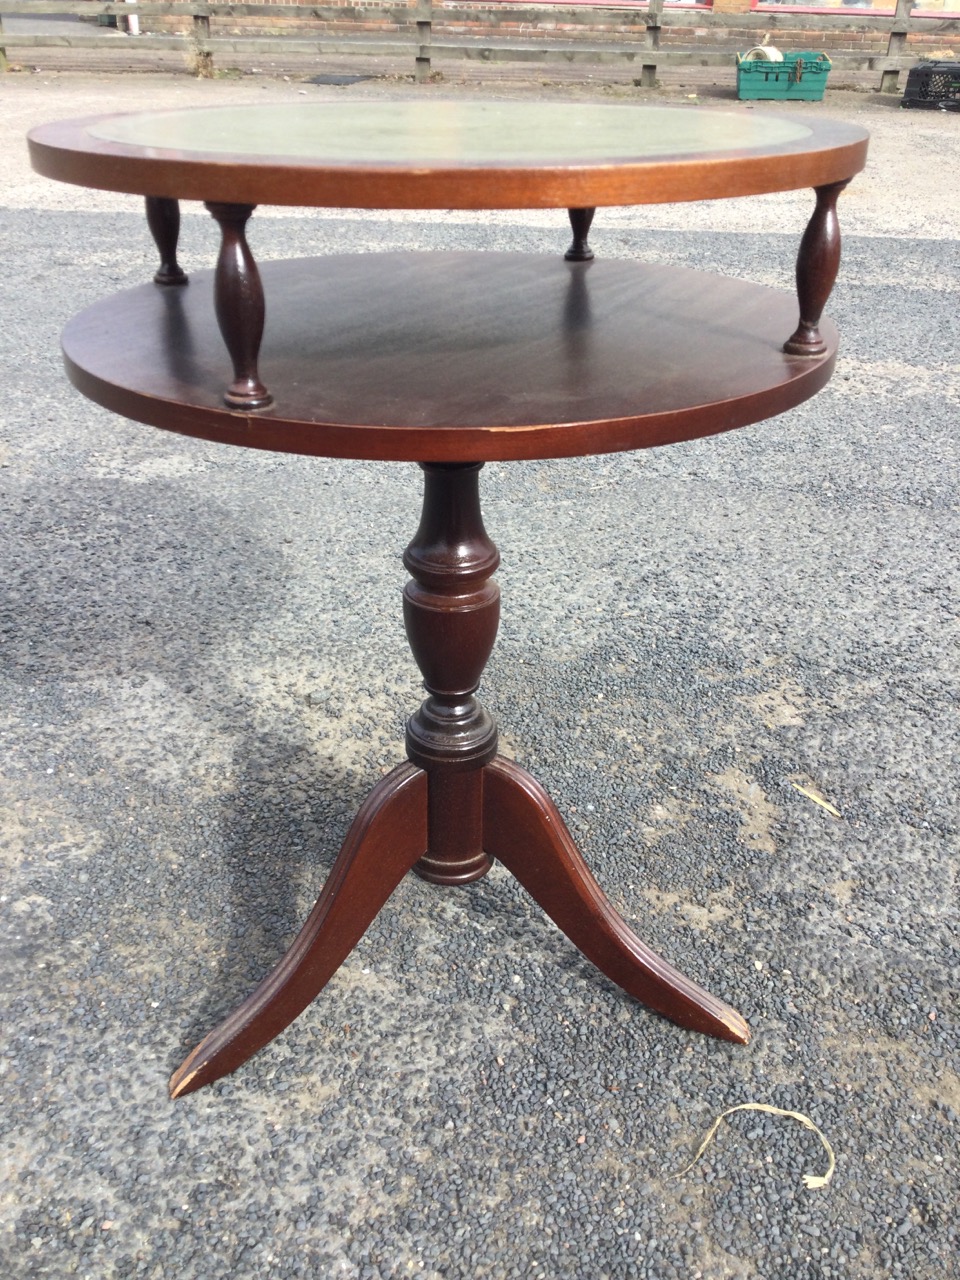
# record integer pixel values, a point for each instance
(452, 360)
(446, 819)
(457, 357)
(451, 610)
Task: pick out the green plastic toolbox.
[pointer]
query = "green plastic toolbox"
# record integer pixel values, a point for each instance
(800, 76)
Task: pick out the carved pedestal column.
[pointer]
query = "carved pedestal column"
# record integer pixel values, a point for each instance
(451, 610)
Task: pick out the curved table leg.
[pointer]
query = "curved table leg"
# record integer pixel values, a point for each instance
(524, 830)
(387, 837)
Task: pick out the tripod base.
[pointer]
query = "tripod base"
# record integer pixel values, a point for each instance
(451, 809)
(522, 828)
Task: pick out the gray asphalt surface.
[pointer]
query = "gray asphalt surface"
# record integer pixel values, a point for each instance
(204, 670)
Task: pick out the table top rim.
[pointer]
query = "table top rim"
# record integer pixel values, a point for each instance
(830, 151)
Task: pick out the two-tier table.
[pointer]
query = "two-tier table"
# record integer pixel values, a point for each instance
(451, 360)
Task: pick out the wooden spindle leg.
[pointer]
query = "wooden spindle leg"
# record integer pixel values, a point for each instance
(580, 220)
(238, 298)
(817, 264)
(451, 610)
(163, 219)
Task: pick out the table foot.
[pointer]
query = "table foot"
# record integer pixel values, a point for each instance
(387, 837)
(524, 831)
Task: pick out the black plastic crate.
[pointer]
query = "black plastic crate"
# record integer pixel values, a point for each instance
(933, 84)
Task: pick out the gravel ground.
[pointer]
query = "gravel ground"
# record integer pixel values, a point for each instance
(194, 702)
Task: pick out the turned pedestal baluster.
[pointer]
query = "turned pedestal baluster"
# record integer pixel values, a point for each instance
(451, 611)
(580, 220)
(238, 297)
(817, 264)
(163, 219)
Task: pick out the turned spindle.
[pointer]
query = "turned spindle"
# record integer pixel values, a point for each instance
(817, 265)
(163, 219)
(239, 304)
(580, 220)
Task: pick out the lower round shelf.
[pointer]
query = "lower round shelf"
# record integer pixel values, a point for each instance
(456, 357)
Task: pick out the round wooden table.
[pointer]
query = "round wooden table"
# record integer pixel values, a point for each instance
(451, 360)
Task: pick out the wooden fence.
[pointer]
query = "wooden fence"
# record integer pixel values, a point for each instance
(427, 30)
